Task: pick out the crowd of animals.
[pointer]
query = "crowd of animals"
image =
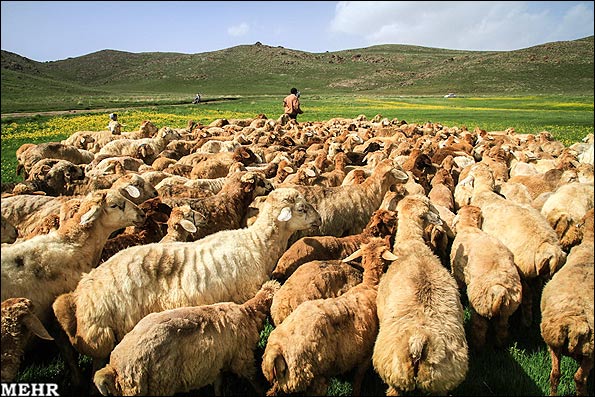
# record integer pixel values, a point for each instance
(161, 253)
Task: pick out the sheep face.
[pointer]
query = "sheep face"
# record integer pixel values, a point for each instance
(118, 211)
(292, 209)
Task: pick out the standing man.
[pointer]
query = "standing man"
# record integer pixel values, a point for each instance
(291, 104)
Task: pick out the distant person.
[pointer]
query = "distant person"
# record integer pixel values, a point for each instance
(291, 104)
(196, 99)
(114, 125)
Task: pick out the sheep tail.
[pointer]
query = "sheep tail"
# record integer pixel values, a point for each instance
(105, 380)
(417, 344)
(548, 259)
(499, 299)
(274, 365)
(578, 335)
(65, 310)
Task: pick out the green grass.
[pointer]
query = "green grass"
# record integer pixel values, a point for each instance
(520, 369)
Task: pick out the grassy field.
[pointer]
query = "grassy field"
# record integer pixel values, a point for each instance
(520, 369)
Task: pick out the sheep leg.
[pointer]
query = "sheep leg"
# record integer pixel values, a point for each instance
(391, 391)
(501, 330)
(581, 376)
(70, 356)
(218, 385)
(555, 374)
(526, 304)
(359, 376)
(318, 387)
(479, 329)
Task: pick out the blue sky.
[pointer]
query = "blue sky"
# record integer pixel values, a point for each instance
(55, 30)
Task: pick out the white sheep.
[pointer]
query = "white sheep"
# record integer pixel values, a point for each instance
(328, 337)
(187, 348)
(229, 265)
(485, 269)
(567, 312)
(48, 265)
(421, 342)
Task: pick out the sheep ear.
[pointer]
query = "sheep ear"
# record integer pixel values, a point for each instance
(285, 214)
(188, 226)
(310, 172)
(34, 325)
(279, 367)
(132, 191)
(467, 181)
(90, 215)
(389, 256)
(288, 169)
(400, 175)
(455, 220)
(353, 256)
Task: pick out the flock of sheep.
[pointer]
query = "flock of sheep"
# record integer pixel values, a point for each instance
(162, 252)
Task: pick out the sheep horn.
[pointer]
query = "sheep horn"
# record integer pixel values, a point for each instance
(353, 256)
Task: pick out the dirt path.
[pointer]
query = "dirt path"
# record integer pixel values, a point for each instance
(105, 110)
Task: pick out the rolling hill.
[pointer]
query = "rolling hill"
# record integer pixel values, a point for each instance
(564, 67)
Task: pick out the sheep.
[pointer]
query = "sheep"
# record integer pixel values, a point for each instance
(382, 223)
(567, 312)
(229, 265)
(152, 229)
(485, 269)
(327, 337)
(421, 343)
(346, 210)
(18, 322)
(54, 150)
(207, 340)
(313, 280)
(9, 233)
(132, 147)
(182, 222)
(227, 208)
(565, 207)
(52, 176)
(48, 265)
(521, 228)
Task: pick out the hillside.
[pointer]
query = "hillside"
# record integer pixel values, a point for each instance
(553, 68)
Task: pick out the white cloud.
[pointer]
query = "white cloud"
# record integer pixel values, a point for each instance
(462, 25)
(238, 30)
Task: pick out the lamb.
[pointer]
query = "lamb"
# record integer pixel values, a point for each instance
(18, 322)
(421, 342)
(229, 265)
(346, 210)
(313, 280)
(382, 223)
(485, 269)
(207, 340)
(48, 265)
(182, 222)
(152, 229)
(567, 312)
(326, 337)
(227, 208)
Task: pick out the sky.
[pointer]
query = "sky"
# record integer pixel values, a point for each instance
(56, 30)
